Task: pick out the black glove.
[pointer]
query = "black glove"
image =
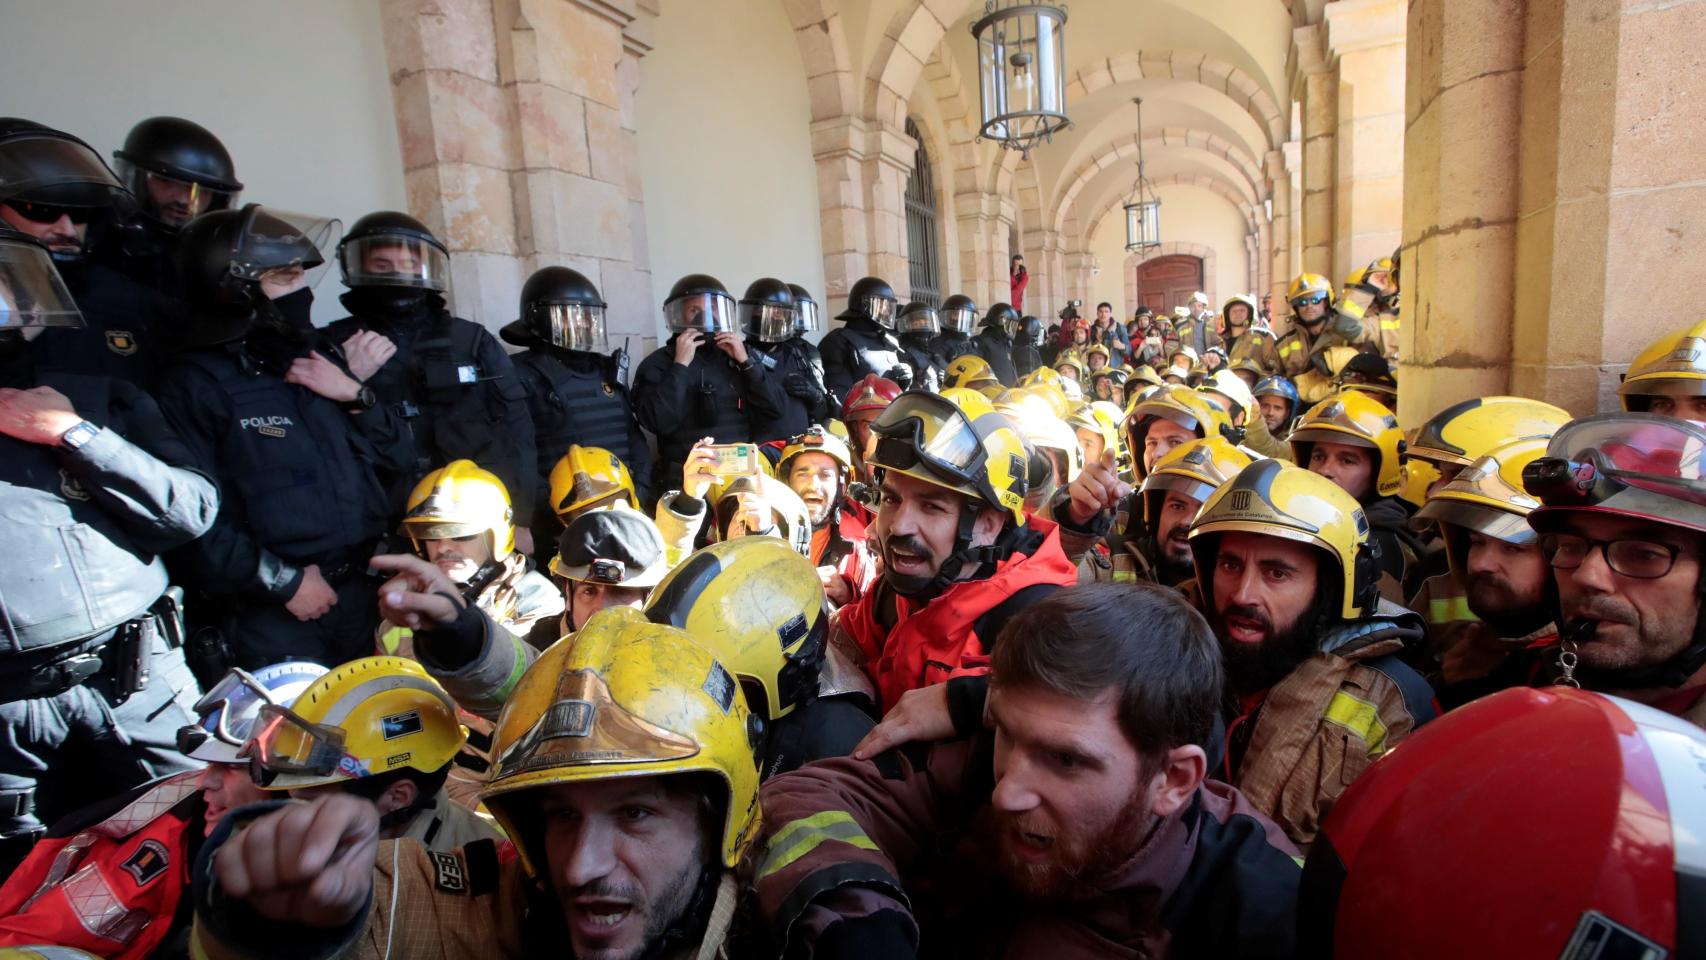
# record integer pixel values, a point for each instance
(800, 386)
(900, 373)
(886, 934)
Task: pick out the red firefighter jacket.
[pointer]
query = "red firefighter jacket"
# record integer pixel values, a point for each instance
(932, 641)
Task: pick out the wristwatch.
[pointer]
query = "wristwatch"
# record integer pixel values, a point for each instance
(364, 400)
(74, 438)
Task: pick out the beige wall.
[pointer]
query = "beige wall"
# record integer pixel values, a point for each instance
(298, 96)
(1189, 215)
(725, 149)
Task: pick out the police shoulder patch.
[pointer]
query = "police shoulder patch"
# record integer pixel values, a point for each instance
(121, 342)
(149, 861)
(450, 875)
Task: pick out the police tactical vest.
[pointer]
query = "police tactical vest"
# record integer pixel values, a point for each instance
(69, 570)
(301, 474)
(586, 404)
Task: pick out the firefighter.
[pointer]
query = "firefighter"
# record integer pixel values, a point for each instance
(1669, 376)
(818, 466)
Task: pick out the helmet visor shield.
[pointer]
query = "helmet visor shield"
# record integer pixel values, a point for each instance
(576, 326)
(920, 321)
(216, 706)
(1659, 454)
(767, 321)
(924, 427)
(959, 319)
(395, 260)
(284, 743)
(705, 312)
(274, 241)
(585, 727)
(1499, 524)
(55, 170)
(806, 319)
(880, 309)
(31, 291)
(170, 200)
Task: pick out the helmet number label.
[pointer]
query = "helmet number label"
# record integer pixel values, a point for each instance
(401, 724)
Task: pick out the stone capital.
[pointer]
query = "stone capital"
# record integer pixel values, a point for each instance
(1357, 25)
(1275, 166)
(1309, 49)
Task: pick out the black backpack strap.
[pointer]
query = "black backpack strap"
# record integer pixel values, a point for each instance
(989, 626)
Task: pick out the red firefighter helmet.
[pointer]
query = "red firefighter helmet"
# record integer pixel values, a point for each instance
(1533, 823)
(868, 398)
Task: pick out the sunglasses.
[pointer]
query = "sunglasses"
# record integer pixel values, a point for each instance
(50, 213)
(1310, 300)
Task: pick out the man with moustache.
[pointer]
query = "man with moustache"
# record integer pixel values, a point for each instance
(960, 554)
(1490, 620)
(625, 780)
(1622, 523)
(1158, 548)
(1075, 821)
(1315, 689)
(816, 465)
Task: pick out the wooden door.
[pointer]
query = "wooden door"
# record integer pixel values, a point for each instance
(1168, 282)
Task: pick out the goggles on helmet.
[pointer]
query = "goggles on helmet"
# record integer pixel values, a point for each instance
(913, 430)
(285, 743)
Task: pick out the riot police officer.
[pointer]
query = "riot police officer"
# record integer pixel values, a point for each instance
(995, 342)
(176, 170)
(56, 189)
(767, 317)
(959, 318)
(864, 344)
(449, 381)
(702, 382)
(296, 442)
(1026, 354)
(576, 393)
(94, 486)
(919, 326)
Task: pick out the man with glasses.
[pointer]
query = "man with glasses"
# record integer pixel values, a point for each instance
(55, 188)
(1622, 523)
(1316, 325)
(137, 846)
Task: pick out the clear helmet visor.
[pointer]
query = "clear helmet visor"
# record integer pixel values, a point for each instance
(171, 200)
(1659, 454)
(395, 260)
(576, 326)
(56, 170)
(767, 321)
(880, 309)
(278, 242)
(921, 322)
(959, 320)
(32, 294)
(806, 318)
(708, 313)
(943, 439)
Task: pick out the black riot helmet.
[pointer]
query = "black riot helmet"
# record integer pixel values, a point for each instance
(958, 314)
(47, 175)
(559, 307)
(872, 299)
(767, 310)
(700, 302)
(391, 249)
(919, 319)
(1003, 317)
(806, 319)
(176, 170)
(222, 255)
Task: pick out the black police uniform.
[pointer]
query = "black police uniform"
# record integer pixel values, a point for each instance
(916, 352)
(710, 397)
(455, 390)
(994, 346)
(124, 324)
(852, 352)
(301, 478)
(578, 397)
(93, 684)
(1026, 356)
(950, 345)
(805, 397)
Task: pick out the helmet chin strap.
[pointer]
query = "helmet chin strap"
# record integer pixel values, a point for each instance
(963, 553)
(1672, 673)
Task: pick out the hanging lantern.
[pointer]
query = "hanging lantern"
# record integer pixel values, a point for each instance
(1143, 210)
(1021, 61)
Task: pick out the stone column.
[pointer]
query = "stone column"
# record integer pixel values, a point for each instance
(1279, 230)
(861, 170)
(889, 155)
(1320, 99)
(1366, 38)
(517, 125)
(1046, 286)
(1553, 177)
